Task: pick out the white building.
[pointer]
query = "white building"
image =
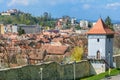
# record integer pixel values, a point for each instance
(84, 24)
(11, 29)
(93, 23)
(5, 13)
(15, 29)
(73, 21)
(100, 43)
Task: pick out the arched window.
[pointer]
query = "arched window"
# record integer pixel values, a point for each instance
(98, 55)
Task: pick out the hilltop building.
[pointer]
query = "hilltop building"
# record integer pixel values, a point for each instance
(5, 13)
(10, 12)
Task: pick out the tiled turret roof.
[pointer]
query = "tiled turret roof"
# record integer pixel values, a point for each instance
(100, 28)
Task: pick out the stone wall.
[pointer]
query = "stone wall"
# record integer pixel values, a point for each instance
(51, 71)
(116, 60)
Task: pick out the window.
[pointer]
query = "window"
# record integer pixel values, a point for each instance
(98, 40)
(98, 55)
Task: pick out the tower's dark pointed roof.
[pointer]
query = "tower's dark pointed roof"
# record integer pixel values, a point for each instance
(100, 28)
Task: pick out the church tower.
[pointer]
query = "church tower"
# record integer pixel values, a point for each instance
(100, 42)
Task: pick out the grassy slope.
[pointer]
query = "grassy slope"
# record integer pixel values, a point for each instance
(103, 75)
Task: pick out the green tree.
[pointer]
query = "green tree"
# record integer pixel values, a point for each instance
(26, 18)
(21, 18)
(21, 31)
(109, 23)
(89, 24)
(77, 27)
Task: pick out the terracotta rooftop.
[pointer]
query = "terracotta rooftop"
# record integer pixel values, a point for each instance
(100, 28)
(55, 50)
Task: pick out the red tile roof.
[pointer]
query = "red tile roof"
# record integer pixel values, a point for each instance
(57, 39)
(100, 28)
(2, 55)
(35, 56)
(55, 50)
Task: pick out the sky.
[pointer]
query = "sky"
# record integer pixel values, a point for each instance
(81, 9)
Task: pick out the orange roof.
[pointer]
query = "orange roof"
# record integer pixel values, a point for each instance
(55, 50)
(100, 28)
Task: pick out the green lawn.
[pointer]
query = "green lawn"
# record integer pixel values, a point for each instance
(103, 75)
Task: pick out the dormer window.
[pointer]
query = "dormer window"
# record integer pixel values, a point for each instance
(98, 40)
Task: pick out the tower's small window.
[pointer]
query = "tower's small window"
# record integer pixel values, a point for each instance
(98, 40)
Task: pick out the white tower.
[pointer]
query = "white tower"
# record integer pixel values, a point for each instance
(100, 43)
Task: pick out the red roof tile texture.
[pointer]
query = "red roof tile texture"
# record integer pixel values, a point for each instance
(55, 50)
(100, 28)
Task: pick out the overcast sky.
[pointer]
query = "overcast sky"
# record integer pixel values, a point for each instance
(82, 9)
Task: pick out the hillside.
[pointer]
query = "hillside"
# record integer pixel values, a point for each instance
(20, 17)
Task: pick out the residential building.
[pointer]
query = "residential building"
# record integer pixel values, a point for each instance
(14, 28)
(84, 24)
(116, 27)
(73, 21)
(10, 12)
(94, 23)
(8, 28)
(11, 29)
(59, 25)
(5, 13)
(1, 29)
(30, 28)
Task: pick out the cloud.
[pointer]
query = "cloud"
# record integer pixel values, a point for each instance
(113, 5)
(86, 6)
(21, 2)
